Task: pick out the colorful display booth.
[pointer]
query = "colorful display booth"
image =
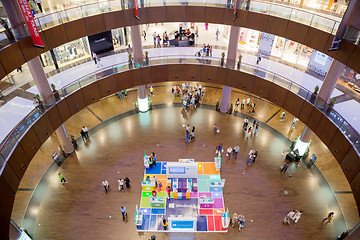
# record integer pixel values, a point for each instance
(196, 201)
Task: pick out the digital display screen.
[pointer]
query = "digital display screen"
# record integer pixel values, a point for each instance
(182, 224)
(175, 170)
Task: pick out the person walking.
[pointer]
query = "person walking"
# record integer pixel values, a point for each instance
(165, 224)
(155, 179)
(229, 151)
(217, 34)
(219, 149)
(86, 134)
(83, 135)
(151, 91)
(242, 104)
(159, 186)
(123, 212)
(255, 154)
(246, 122)
(197, 31)
(293, 124)
(187, 137)
(38, 2)
(127, 182)
(121, 184)
(158, 40)
(94, 57)
(106, 185)
(329, 217)
(236, 151)
(258, 57)
(282, 115)
(256, 127)
(144, 34)
(215, 128)
(193, 134)
(62, 179)
(211, 50)
(168, 190)
(284, 167)
(154, 36)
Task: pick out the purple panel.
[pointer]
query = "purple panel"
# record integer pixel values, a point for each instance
(216, 194)
(193, 194)
(201, 223)
(181, 207)
(206, 194)
(206, 205)
(218, 203)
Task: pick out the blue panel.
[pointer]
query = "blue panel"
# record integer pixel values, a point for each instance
(146, 211)
(158, 211)
(146, 222)
(163, 165)
(163, 171)
(182, 224)
(155, 222)
(201, 223)
(154, 170)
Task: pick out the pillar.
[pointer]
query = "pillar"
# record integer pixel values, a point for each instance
(350, 18)
(230, 63)
(143, 101)
(40, 79)
(137, 44)
(225, 99)
(327, 88)
(233, 46)
(15, 17)
(331, 78)
(64, 139)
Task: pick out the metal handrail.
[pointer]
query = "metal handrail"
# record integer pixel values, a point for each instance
(153, 62)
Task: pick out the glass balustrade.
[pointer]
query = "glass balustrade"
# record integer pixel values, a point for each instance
(14, 137)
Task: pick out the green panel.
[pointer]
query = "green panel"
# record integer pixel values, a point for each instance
(144, 203)
(214, 177)
(146, 194)
(203, 186)
(204, 177)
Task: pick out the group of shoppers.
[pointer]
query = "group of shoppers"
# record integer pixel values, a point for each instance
(191, 95)
(157, 39)
(238, 219)
(84, 133)
(190, 136)
(121, 183)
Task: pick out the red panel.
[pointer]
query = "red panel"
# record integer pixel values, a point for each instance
(218, 224)
(206, 211)
(210, 222)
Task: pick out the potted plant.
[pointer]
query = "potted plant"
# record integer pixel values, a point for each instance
(314, 94)
(55, 92)
(217, 107)
(8, 33)
(222, 59)
(239, 62)
(331, 104)
(62, 152)
(73, 141)
(231, 108)
(37, 99)
(146, 58)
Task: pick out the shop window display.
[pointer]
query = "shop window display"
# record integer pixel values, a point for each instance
(278, 46)
(249, 39)
(68, 53)
(118, 38)
(304, 55)
(350, 79)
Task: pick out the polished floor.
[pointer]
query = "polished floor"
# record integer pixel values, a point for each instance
(82, 210)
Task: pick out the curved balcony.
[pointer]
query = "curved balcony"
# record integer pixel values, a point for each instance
(57, 28)
(28, 136)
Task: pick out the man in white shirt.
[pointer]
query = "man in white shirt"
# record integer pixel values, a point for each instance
(248, 101)
(236, 150)
(106, 185)
(242, 104)
(94, 57)
(123, 212)
(38, 2)
(85, 130)
(229, 151)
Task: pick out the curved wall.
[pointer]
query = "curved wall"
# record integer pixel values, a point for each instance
(14, 55)
(64, 109)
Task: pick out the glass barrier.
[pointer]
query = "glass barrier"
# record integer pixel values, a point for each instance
(14, 137)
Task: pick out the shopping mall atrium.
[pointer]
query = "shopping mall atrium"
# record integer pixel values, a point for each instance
(180, 119)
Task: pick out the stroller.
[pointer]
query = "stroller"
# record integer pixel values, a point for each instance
(198, 54)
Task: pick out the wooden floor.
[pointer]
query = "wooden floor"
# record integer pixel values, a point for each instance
(81, 209)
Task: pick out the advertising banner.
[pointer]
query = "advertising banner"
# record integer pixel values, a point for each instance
(136, 10)
(30, 22)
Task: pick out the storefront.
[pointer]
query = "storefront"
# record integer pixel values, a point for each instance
(118, 37)
(291, 51)
(68, 53)
(334, 6)
(249, 39)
